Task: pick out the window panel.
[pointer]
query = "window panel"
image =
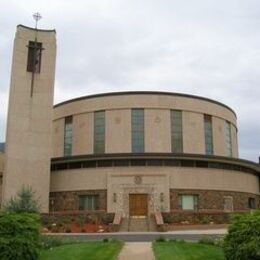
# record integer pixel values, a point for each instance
(252, 203)
(208, 134)
(99, 132)
(176, 131)
(188, 202)
(88, 202)
(137, 130)
(228, 139)
(68, 136)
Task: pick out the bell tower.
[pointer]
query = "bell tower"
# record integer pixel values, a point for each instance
(28, 136)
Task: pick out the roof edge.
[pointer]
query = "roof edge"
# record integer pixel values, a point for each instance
(33, 29)
(144, 93)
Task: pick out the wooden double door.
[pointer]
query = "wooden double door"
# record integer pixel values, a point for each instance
(138, 204)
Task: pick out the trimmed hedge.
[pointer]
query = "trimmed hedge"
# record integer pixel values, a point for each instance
(243, 239)
(19, 236)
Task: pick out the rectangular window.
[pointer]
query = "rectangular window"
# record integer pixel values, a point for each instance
(99, 132)
(228, 139)
(137, 130)
(176, 131)
(188, 202)
(34, 56)
(88, 202)
(208, 134)
(68, 136)
(251, 203)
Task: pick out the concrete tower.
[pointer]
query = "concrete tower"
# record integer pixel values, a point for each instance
(28, 140)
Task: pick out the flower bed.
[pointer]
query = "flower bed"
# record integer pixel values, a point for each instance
(197, 217)
(76, 221)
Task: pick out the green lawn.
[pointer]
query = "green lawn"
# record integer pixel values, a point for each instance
(186, 251)
(80, 251)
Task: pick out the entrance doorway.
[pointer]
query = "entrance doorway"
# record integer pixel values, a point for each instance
(138, 204)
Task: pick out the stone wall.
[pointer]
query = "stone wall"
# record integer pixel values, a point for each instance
(69, 200)
(213, 200)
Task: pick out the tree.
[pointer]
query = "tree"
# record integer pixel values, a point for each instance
(24, 202)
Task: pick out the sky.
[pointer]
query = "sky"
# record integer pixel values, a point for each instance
(206, 48)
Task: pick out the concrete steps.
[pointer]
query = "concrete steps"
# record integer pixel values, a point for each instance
(138, 224)
(124, 225)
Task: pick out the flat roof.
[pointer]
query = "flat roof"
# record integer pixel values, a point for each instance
(143, 93)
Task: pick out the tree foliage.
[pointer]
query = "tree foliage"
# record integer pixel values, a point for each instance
(243, 239)
(24, 201)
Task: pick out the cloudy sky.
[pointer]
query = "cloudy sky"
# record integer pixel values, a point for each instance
(206, 48)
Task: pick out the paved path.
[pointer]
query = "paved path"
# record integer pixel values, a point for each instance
(137, 251)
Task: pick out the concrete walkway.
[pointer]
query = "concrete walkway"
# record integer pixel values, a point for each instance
(137, 251)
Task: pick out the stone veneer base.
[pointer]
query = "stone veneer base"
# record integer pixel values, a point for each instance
(208, 200)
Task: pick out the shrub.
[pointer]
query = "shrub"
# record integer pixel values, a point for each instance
(80, 221)
(206, 219)
(207, 240)
(167, 217)
(19, 236)
(243, 239)
(25, 201)
(107, 218)
(48, 242)
(161, 239)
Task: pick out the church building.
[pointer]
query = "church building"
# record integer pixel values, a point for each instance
(134, 153)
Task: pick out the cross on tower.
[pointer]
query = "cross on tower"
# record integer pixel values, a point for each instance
(37, 16)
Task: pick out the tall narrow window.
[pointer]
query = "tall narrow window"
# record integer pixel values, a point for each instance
(137, 130)
(176, 131)
(208, 134)
(228, 139)
(99, 132)
(34, 57)
(68, 136)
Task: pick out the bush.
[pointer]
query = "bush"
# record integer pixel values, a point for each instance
(243, 239)
(207, 240)
(167, 217)
(80, 221)
(19, 236)
(48, 242)
(161, 239)
(107, 218)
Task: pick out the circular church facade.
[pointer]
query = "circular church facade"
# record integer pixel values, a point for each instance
(137, 153)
